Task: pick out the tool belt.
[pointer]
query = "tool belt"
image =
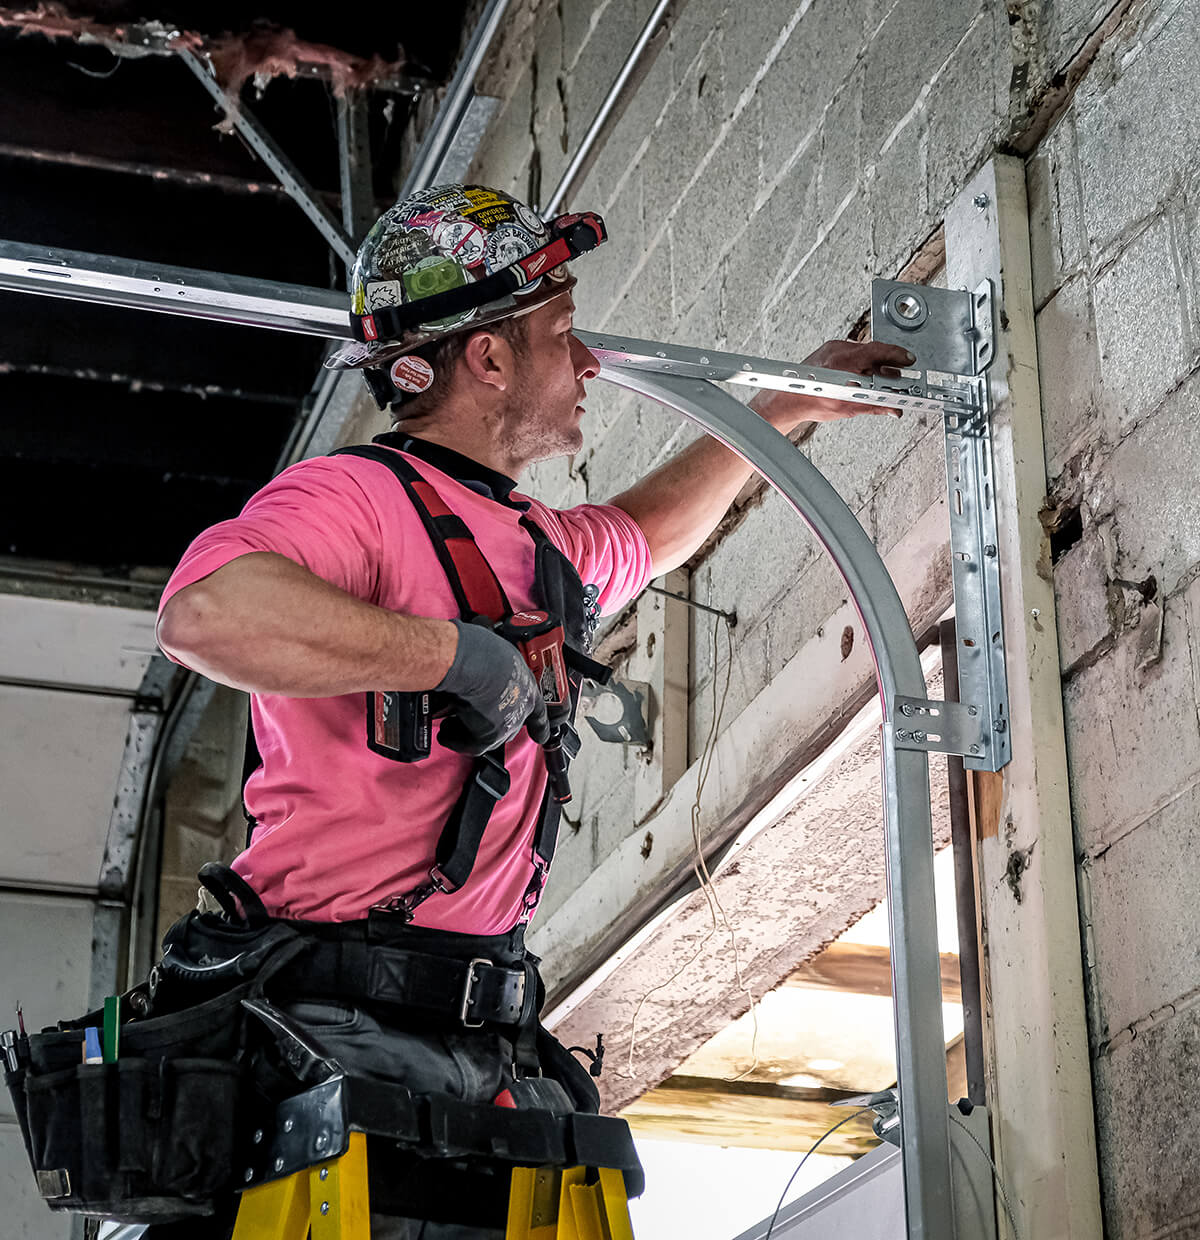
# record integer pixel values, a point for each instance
(155, 1132)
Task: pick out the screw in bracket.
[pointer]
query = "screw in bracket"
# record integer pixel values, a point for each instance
(324, 1173)
(324, 1207)
(981, 201)
(974, 748)
(901, 735)
(279, 1164)
(288, 1125)
(906, 709)
(920, 737)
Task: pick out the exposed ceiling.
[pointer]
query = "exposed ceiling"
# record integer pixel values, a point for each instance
(125, 433)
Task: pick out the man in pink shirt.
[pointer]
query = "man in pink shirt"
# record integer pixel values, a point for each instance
(328, 591)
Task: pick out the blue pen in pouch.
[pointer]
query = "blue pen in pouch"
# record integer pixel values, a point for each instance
(91, 1046)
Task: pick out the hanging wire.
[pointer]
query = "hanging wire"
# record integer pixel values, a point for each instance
(811, 1150)
(1012, 1222)
(700, 866)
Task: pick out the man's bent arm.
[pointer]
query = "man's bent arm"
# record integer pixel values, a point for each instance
(265, 624)
(680, 503)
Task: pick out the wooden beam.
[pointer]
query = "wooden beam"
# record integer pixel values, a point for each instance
(758, 1114)
(865, 969)
(1039, 1079)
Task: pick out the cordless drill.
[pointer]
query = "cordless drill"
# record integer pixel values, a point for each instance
(539, 638)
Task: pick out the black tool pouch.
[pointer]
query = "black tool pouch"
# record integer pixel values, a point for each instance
(151, 1137)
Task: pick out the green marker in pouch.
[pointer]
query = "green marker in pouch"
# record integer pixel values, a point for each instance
(112, 1028)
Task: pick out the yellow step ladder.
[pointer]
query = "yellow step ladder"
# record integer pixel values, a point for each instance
(330, 1199)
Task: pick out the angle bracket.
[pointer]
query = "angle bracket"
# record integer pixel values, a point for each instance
(941, 727)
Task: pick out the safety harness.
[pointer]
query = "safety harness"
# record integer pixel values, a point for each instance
(399, 725)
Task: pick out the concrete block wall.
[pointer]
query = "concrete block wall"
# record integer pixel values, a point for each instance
(1113, 194)
(774, 158)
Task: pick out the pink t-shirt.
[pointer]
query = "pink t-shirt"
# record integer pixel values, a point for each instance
(341, 828)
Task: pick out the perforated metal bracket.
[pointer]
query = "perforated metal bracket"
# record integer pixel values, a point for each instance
(952, 334)
(941, 727)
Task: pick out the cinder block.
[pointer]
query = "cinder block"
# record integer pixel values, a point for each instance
(1146, 1117)
(1058, 245)
(631, 448)
(819, 55)
(1138, 888)
(897, 191)
(1153, 476)
(1140, 326)
(800, 613)
(759, 561)
(646, 308)
(774, 236)
(916, 32)
(1123, 718)
(1139, 137)
(716, 208)
(828, 293)
(691, 124)
(1069, 371)
(703, 325)
(503, 159)
(840, 159)
(856, 455)
(695, 26)
(1088, 605)
(968, 105)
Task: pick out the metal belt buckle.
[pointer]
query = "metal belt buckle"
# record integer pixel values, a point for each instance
(468, 987)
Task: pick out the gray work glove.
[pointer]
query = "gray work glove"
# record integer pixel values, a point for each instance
(493, 693)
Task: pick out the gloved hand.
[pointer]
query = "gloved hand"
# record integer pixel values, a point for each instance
(494, 694)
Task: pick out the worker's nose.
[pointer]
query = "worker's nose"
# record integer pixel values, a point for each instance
(587, 365)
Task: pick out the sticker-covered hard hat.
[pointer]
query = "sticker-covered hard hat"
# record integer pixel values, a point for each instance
(454, 257)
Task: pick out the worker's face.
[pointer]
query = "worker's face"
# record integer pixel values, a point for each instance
(547, 394)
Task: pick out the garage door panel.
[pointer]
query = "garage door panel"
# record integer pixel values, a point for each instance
(54, 641)
(58, 768)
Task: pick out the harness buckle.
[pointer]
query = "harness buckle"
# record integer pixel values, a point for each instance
(468, 992)
(492, 776)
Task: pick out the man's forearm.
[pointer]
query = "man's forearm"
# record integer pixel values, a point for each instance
(264, 624)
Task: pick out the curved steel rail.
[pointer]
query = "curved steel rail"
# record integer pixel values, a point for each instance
(916, 984)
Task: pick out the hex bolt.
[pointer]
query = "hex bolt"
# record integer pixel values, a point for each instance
(906, 709)
(974, 748)
(981, 201)
(920, 737)
(990, 549)
(972, 711)
(902, 735)
(322, 1140)
(324, 1207)
(999, 725)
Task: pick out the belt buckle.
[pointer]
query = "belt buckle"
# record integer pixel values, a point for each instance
(468, 987)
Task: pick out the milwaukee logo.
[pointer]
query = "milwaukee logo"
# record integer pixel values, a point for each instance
(536, 263)
(368, 326)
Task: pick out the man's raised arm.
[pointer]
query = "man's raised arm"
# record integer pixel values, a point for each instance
(681, 502)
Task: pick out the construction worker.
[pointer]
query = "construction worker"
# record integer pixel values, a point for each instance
(401, 795)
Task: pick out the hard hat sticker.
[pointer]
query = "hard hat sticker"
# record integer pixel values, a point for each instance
(382, 293)
(411, 374)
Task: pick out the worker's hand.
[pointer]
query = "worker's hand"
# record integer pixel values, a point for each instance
(493, 693)
(786, 410)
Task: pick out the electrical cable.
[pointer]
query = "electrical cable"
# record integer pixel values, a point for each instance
(811, 1150)
(1012, 1222)
(700, 866)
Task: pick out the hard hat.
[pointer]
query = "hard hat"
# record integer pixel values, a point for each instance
(453, 258)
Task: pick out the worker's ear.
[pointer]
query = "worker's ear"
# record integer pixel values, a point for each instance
(489, 359)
